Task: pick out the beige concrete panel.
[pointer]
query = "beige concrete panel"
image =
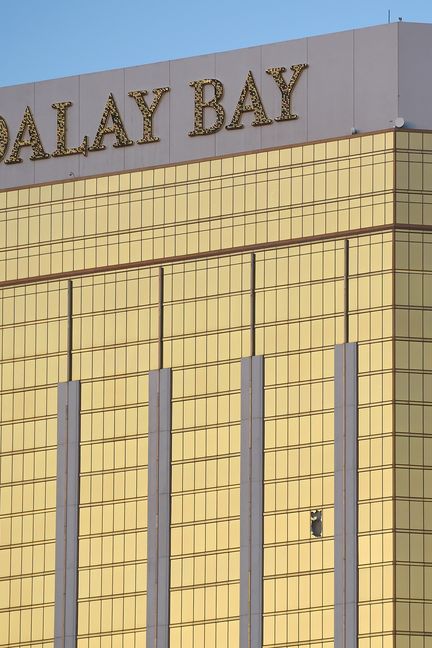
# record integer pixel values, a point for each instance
(330, 86)
(375, 77)
(352, 81)
(232, 69)
(277, 55)
(13, 102)
(94, 92)
(182, 146)
(47, 93)
(415, 75)
(147, 77)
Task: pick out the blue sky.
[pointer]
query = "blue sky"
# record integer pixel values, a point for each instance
(44, 39)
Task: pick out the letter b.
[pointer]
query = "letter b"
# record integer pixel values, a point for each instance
(201, 105)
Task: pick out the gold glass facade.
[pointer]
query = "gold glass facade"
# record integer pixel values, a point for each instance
(413, 394)
(294, 208)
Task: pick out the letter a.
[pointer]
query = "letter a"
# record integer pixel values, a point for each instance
(256, 106)
(34, 141)
(111, 112)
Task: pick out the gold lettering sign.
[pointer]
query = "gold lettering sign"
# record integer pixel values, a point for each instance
(4, 137)
(286, 89)
(208, 117)
(62, 149)
(201, 105)
(110, 113)
(148, 112)
(256, 106)
(27, 126)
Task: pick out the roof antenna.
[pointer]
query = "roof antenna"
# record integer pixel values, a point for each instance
(388, 16)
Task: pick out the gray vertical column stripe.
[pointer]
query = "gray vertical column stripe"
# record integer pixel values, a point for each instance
(152, 507)
(245, 500)
(159, 508)
(346, 501)
(67, 508)
(69, 331)
(252, 305)
(251, 501)
(346, 291)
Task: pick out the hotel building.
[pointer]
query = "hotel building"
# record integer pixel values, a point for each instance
(216, 350)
